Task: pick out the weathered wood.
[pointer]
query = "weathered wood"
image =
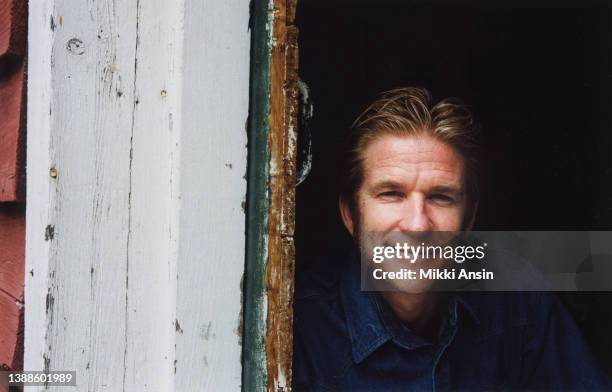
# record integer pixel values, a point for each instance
(12, 249)
(283, 153)
(212, 190)
(9, 334)
(13, 27)
(39, 190)
(254, 375)
(82, 100)
(272, 177)
(136, 162)
(12, 181)
(12, 131)
(151, 255)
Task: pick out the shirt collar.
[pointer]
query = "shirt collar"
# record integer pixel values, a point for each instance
(470, 307)
(370, 323)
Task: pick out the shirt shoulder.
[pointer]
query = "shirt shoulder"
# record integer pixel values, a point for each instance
(321, 345)
(502, 310)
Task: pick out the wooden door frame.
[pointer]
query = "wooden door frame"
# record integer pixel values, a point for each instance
(269, 284)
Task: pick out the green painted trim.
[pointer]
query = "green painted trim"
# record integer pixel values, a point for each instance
(254, 369)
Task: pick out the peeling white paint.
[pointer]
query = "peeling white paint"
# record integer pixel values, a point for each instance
(307, 112)
(146, 231)
(281, 382)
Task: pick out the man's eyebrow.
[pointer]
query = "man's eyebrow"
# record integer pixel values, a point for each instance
(447, 189)
(390, 184)
(385, 184)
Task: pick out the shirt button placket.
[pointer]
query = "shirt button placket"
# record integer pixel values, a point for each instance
(441, 368)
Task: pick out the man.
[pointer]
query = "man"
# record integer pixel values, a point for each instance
(410, 167)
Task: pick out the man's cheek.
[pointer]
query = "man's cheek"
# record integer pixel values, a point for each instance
(380, 216)
(447, 219)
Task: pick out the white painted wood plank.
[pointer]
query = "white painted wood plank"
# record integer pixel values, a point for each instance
(86, 208)
(141, 107)
(38, 190)
(211, 248)
(151, 258)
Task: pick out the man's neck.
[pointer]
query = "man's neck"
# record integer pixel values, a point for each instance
(418, 311)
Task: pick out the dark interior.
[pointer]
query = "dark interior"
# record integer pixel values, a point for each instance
(537, 75)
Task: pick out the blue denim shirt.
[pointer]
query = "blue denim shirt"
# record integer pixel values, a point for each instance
(347, 339)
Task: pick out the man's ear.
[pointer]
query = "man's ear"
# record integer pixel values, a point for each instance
(472, 217)
(345, 213)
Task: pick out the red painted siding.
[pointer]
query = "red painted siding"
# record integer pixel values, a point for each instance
(13, 31)
(12, 246)
(12, 181)
(12, 99)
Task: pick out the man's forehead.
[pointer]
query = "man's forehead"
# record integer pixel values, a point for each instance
(392, 156)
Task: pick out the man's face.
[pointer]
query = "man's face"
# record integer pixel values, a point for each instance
(412, 187)
(410, 184)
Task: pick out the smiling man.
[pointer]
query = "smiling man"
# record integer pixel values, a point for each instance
(409, 167)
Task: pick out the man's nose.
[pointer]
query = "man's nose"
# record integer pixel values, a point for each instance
(414, 215)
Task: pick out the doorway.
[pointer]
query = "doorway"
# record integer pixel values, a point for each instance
(536, 74)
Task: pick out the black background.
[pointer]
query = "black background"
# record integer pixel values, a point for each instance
(537, 75)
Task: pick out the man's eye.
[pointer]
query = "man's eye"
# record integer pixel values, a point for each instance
(442, 198)
(391, 194)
